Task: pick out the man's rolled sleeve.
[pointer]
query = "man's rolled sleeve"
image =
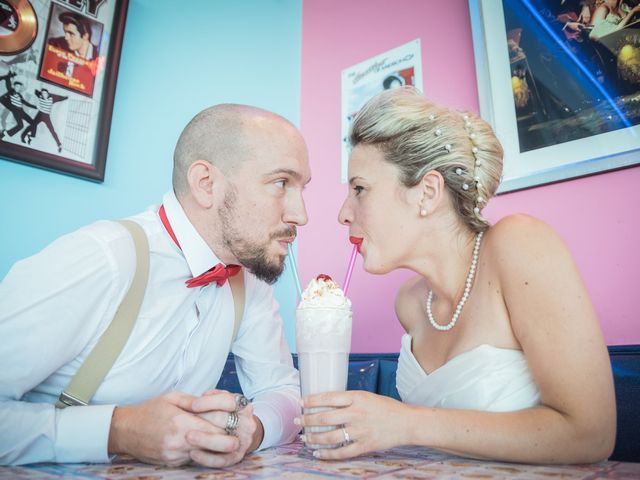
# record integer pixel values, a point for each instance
(276, 410)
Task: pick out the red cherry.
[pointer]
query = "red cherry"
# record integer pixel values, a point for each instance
(324, 277)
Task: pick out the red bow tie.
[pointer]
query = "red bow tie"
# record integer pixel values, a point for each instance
(218, 274)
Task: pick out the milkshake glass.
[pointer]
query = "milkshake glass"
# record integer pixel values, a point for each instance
(323, 341)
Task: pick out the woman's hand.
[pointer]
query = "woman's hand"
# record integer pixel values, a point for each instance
(585, 15)
(574, 26)
(372, 422)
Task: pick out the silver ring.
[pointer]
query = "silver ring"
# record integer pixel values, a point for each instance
(347, 438)
(232, 423)
(241, 401)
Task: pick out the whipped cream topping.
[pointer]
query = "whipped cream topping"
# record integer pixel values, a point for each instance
(323, 292)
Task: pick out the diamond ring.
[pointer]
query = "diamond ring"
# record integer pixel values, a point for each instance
(347, 438)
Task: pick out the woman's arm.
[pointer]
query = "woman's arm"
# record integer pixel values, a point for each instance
(599, 28)
(585, 15)
(623, 23)
(599, 14)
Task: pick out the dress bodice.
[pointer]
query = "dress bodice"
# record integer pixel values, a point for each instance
(484, 378)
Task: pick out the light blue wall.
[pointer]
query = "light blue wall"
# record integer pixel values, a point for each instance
(177, 58)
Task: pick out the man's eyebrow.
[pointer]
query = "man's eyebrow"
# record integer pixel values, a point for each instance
(286, 171)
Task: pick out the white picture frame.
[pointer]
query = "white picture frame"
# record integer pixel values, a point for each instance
(496, 55)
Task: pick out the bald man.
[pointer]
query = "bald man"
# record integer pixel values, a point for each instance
(236, 201)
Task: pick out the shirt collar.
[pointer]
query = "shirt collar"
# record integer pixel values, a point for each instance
(197, 253)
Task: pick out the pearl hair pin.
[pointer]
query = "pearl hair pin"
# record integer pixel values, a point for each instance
(465, 295)
(474, 150)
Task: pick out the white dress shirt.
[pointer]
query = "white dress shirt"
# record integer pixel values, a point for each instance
(55, 305)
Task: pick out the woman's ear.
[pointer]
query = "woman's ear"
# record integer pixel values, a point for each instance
(432, 189)
(202, 177)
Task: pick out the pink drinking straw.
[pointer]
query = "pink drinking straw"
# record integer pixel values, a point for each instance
(352, 261)
(294, 270)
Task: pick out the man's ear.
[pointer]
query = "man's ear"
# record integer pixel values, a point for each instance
(432, 185)
(202, 177)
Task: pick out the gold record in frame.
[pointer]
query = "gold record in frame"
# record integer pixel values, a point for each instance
(20, 38)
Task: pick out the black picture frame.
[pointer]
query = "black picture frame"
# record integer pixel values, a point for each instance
(58, 69)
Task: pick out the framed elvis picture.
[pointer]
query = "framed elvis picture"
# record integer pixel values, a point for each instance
(58, 69)
(560, 83)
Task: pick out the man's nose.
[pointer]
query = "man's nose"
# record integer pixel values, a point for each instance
(296, 212)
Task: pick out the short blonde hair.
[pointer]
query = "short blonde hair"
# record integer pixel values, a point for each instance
(417, 136)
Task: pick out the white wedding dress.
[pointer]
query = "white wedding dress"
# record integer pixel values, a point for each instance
(485, 378)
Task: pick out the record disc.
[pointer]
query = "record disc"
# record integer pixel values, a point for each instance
(18, 26)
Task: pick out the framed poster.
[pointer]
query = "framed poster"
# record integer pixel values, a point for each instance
(395, 68)
(58, 69)
(560, 85)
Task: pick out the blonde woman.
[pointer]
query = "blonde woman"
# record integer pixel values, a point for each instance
(503, 356)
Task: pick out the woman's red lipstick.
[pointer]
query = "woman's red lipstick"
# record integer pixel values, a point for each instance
(356, 241)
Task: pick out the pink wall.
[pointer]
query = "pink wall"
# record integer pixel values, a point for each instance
(597, 216)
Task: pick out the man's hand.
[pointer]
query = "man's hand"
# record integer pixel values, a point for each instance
(215, 407)
(156, 431)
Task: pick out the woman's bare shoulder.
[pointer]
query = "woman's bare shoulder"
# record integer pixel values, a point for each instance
(517, 237)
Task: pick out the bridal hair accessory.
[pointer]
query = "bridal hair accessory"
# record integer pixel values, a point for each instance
(477, 163)
(465, 295)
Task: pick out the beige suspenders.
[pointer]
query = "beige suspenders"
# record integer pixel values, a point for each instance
(88, 378)
(237, 290)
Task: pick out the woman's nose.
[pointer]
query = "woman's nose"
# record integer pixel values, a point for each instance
(345, 215)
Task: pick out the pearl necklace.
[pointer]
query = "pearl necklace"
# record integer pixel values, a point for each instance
(465, 295)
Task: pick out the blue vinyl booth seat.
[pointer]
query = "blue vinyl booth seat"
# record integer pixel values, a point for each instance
(363, 373)
(625, 363)
(377, 373)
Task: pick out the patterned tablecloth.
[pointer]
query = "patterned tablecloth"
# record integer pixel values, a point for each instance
(294, 461)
